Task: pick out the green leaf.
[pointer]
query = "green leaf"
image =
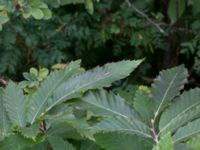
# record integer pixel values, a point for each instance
(104, 103)
(15, 142)
(94, 79)
(117, 141)
(65, 114)
(89, 145)
(124, 126)
(194, 142)
(40, 146)
(81, 125)
(30, 132)
(40, 99)
(187, 131)
(176, 9)
(47, 14)
(181, 146)
(3, 18)
(168, 85)
(89, 6)
(37, 13)
(15, 104)
(4, 121)
(143, 105)
(63, 130)
(184, 109)
(59, 144)
(166, 143)
(34, 71)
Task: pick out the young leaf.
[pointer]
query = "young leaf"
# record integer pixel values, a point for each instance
(143, 105)
(94, 79)
(40, 98)
(187, 131)
(185, 108)
(59, 144)
(104, 103)
(166, 143)
(15, 104)
(124, 126)
(168, 85)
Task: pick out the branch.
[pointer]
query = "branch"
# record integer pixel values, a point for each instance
(157, 26)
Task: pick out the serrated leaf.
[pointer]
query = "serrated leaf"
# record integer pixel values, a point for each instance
(15, 104)
(60, 144)
(143, 105)
(184, 109)
(40, 99)
(30, 132)
(124, 126)
(4, 121)
(81, 125)
(37, 13)
(15, 142)
(187, 131)
(94, 79)
(117, 141)
(63, 130)
(104, 103)
(166, 143)
(168, 85)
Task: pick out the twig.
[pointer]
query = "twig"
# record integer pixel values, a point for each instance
(156, 25)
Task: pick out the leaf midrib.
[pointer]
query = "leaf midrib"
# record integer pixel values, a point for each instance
(76, 90)
(105, 108)
(169, 87)
(46, 98)
(178, 115)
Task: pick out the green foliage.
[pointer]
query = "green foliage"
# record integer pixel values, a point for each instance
(36, 119)
(178, 116)
(166, 143)
(67, 107)
(175, 13)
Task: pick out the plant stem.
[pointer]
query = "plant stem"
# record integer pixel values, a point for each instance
(153, 129)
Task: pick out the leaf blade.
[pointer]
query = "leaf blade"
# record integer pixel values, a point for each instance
(94, 79)
(168, 85)
(15, 104)
(184, 109)
(104, 103)
(40, 99)
(123, 125)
